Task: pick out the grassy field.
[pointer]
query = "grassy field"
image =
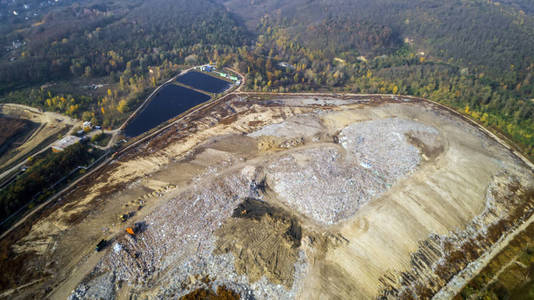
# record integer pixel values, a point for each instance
(101, 139)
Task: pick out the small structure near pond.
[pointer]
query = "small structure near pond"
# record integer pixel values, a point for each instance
(65, 142)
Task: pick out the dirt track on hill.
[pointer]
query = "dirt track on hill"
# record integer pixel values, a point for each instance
(50, 125)
(10, 127)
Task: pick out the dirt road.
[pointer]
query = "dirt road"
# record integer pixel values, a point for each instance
(115, 132)
(51, 124)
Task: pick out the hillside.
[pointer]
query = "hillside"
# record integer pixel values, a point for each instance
(12, 129)
(476, 56)
(76, 46)
(281, 197)
(467, 54)
(475, 33)
(325, 173)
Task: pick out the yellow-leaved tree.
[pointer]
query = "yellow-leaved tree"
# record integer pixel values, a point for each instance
(123, 106)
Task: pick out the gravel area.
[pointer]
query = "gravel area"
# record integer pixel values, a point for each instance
(382, 145)
(321, 184)
(101, 287)
(327, 182)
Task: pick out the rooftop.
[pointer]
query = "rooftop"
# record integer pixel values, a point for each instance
(65, 142)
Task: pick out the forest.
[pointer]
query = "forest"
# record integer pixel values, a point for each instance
(36, 183)
(130, 45)
(475, 56)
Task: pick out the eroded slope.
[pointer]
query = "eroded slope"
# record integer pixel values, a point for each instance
(286, 198)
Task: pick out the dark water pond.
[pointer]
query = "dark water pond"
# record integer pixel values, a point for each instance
(204, 82)
(170, 101)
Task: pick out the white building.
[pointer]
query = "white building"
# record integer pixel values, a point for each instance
(65, 142)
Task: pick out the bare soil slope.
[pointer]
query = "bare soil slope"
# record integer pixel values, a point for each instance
(281, 198)
(12, 129)
(50, 125)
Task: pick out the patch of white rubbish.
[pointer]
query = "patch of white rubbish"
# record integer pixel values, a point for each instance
(329, 184)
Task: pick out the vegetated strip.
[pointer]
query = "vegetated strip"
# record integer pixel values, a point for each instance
(509, 274)
(43, 145)
(33, 215)
(49, 172)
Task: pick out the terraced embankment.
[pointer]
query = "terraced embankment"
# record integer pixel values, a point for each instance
(276, 197)
(14, 132)
(48, 125)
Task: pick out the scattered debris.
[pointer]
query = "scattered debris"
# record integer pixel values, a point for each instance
(117, 247)
(255, 223)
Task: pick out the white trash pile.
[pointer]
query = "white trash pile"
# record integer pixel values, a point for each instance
(177, 247)
(329, 184)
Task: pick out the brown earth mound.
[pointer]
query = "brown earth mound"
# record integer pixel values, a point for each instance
(223, 293)
(264, 241)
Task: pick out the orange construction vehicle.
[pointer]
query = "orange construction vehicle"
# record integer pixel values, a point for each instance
(136, 229)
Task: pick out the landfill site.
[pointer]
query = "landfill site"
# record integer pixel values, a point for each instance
(280, 197)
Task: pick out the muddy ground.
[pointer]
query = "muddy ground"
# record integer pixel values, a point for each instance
(280, 198)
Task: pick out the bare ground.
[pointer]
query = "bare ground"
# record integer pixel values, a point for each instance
(50, 125)
(382, 191)
(10, 127)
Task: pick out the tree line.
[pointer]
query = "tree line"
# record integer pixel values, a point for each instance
(36, 182)
(471, 55)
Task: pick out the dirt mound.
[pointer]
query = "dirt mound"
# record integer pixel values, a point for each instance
(223, 293)
(264, 240)
(428, 151)
(403, 198)
(268, 143)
